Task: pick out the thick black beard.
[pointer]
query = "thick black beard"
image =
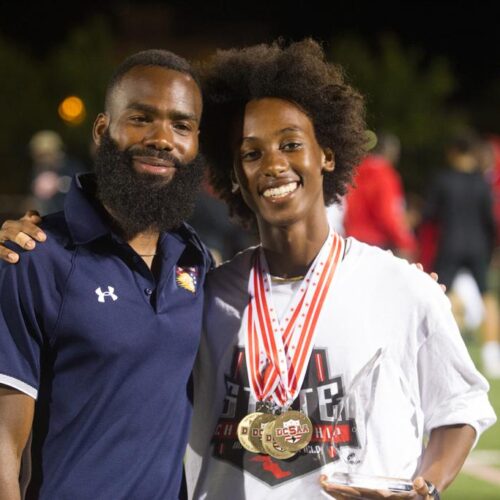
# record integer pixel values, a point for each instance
(140, 202)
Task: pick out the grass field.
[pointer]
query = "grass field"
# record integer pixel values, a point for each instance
(466, 487)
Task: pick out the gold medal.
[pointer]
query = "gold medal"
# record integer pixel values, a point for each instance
(256, 428)
(269, 444)
(243, 431)
(292, 430)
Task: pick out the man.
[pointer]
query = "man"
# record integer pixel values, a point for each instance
(100, 326)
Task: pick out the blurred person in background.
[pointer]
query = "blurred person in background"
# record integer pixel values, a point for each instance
(492, 160)
(52, 171)
(459, 203)
(375, 205)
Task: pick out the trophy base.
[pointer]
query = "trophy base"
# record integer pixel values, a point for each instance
(354, 480)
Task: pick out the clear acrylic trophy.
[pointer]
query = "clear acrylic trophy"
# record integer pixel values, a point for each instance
(357, 403)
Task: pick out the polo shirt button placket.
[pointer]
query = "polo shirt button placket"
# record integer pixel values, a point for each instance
(148, 291)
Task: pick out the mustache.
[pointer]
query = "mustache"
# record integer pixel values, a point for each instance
(154, 153)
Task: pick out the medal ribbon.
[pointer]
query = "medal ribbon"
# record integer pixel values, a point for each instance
(270, 343)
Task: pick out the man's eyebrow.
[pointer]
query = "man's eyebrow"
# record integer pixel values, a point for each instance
(140, 106)
(182, 115)
(174, 114)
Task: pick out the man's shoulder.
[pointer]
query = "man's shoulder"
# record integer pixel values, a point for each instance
(56, 224)
(58, 241)
(190, 237)
(58, 234)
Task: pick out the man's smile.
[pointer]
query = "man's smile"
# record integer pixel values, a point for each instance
(153, 165)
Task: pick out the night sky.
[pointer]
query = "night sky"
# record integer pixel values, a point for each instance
(466, 32)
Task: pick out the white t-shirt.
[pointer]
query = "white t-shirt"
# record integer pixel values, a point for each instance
(425, 379)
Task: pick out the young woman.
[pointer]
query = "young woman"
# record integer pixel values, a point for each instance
(290, 323)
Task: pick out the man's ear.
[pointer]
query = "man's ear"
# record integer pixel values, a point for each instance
(101, 124)
(328, 160)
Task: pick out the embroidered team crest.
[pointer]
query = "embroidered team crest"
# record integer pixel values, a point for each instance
(187, 278)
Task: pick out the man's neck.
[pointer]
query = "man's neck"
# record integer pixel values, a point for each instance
(146, 245)
(290, 250)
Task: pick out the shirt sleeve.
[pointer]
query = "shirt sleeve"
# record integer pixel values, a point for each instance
(452, 390)
(21, 336)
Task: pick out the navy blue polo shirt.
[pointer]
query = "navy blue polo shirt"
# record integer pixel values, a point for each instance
(107, 350)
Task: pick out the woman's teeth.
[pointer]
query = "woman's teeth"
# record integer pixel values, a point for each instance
(281, 191)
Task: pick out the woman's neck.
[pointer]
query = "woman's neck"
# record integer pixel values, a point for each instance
(290, 250)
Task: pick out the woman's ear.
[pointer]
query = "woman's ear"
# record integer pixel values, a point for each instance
(328, 160)
(235, 186)
(101, 124)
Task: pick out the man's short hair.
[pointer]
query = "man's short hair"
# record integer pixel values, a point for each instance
(152, 57)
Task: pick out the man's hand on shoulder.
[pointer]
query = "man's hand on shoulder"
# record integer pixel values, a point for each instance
(433, 275)
(24, 232)
(419, 266)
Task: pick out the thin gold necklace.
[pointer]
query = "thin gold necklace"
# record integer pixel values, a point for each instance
(280, 279)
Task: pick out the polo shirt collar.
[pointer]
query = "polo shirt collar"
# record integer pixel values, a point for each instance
(84, 214)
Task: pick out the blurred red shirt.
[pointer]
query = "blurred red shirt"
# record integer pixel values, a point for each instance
(375, 207)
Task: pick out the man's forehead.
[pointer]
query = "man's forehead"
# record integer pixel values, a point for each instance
(159, 87)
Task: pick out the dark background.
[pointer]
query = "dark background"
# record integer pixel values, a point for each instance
(427, 68)
(467, 33)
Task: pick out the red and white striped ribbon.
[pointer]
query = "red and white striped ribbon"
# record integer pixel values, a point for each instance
(278, 352)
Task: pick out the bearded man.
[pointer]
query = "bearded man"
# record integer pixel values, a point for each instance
(99, 329)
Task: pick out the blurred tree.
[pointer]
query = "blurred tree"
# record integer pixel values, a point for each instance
(405, 95)
(24, 107)
(484, 107)
(82, 67)
(32, 89)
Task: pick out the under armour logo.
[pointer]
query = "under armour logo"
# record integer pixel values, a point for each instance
(102, 295)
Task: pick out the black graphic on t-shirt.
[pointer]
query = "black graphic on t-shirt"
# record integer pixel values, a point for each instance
(318, 398)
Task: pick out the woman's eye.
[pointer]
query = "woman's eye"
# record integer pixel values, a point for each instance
(249, 155)
(291, 146)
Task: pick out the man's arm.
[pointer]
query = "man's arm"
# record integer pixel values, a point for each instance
(24, 232)
(16, 419)
(445, 454)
